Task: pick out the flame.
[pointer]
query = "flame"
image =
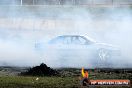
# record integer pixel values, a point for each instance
(84, 74)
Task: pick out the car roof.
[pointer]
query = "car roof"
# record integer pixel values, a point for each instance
(70, 36)
(86, 37)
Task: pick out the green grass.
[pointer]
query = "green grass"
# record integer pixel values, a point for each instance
(69, 79)
(43, 82)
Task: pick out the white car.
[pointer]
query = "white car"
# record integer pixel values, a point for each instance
(79, 51)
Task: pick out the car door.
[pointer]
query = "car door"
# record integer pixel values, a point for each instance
(76, 50)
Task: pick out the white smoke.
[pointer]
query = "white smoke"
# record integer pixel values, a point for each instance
(24, 27)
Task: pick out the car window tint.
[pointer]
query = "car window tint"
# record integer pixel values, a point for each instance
(67, 40)
(75, 40)
(58, 40)
(79, 40)
(82, 40)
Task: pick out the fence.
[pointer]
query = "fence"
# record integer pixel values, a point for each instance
(65, 2)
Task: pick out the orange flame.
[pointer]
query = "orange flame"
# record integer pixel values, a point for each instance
(84, 74)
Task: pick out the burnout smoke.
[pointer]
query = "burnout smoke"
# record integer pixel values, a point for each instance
(25, 30)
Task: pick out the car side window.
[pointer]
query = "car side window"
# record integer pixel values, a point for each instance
(82, 40)
(76, 40)
(79, 40)
(67, 40)
(58, 40)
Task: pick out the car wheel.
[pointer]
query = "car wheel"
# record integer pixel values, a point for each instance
(104, 54)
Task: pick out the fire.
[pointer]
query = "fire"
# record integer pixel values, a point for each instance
(84, 74)
(85, 81)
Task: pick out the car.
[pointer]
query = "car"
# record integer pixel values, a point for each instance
(79, 51)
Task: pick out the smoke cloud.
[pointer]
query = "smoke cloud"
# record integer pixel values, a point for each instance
(24, 30)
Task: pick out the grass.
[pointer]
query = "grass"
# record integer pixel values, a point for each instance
(42, 82)
(68, 79)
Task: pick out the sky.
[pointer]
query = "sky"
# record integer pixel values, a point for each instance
(21, 28)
